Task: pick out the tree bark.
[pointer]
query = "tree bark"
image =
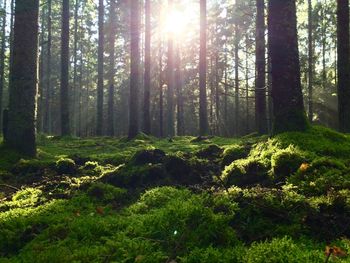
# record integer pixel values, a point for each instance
(99, 120)
(2, 61)
(23, 87)
(171, 81)
(288, 107)
(343, 65)
(203, 112)
(134, 71)
(48, 114)
(112, 34)
(260, 92)
(65, 127)
(310, 62)
(147, 76)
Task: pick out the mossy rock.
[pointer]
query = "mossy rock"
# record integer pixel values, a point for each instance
(234, 153)
(25, 167)
(79, 160)
(66, 166)
(143, 157)
(246, 172)
(210, 152)
(180, 170)
(286, 162)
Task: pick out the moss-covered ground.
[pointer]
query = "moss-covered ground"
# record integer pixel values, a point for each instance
(253, 199)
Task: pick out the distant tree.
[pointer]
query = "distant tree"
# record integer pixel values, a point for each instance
(260, 93)
(23, 83)
(147, 76)
(100, 85)
(48, 102)
(310, 62)
(65, 127)
(112, 34)
(343, 65)
(203, 111)
(134, 70)
(2, 59)
(171, 80)
(288, 107)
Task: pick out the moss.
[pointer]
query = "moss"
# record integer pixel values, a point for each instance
(285, 162)
(148, 156)
(234, 153)
(106, 193)
(211, 152)
(246, 172)
(65, 166)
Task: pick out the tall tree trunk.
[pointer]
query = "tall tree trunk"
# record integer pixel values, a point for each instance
(2, 61)
(236, 49)
(178, 78)
(260, 92)
(161, 111)
(171, 81)
(112, 34)
(147, 76)
(65, 127)
(48, 113)
(75, 69)
(134, 71)
(343, 65)
(40, 110)
(99, 121)
(203, 112)
(247, 83)
(310, 62)
(288, 107)
(23, 89)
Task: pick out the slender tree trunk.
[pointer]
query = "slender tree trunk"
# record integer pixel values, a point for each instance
(171, 81)
(75, 69)
(100, 85)
(288, 107)
(40, 110)
(2, 61)
(65, 127)
(178, 77)
(247, 83)
(48, 113)
(310, 62)
(112, 34)
(161, 111)
(147, 76)
(236, 49)
(260, 92)
(343, 65)
(203, 112)
(135, 71)
(217, 94)
(23, 89)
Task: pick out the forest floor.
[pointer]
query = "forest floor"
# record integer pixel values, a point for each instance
(253, 199)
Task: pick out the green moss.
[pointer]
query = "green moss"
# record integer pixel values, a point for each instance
(65, 166)
(233, 153)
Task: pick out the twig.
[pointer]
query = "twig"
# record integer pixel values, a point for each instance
(10, 186)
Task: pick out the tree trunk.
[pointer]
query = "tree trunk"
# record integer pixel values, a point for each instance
(75, 69)
(161, 111)
(236, 49)
(99, 121)
(65, 127)
(288, 107)
(2, 61)
(343, 65)
(260, 92)
(203, 112)
(171, 81)
(147, 77)
(112, 34)
(178, 79)
(48, 118)
(134, 71)
(310, 62)
(23, 88)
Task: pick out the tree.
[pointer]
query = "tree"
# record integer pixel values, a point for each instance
(260, 92)
(288, 107)
(23, 79)
(112, 34)
(99, 121)
(147, 76)
(2, 60)
(65, 127)
(48, 114)
(171, 80)
(203, 113)
(134, 68)
(343, 65)
(310, 61)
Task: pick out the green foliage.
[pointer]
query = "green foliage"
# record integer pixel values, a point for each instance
(234, 153)
(106, 193)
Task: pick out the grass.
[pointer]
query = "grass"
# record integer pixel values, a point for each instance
(254, 199)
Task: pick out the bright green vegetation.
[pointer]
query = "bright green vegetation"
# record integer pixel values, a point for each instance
(255, 199)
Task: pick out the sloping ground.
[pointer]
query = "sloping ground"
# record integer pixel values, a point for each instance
(257, 199)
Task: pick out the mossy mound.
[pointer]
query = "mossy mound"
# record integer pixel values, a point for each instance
(234, 153)
(66, 166)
